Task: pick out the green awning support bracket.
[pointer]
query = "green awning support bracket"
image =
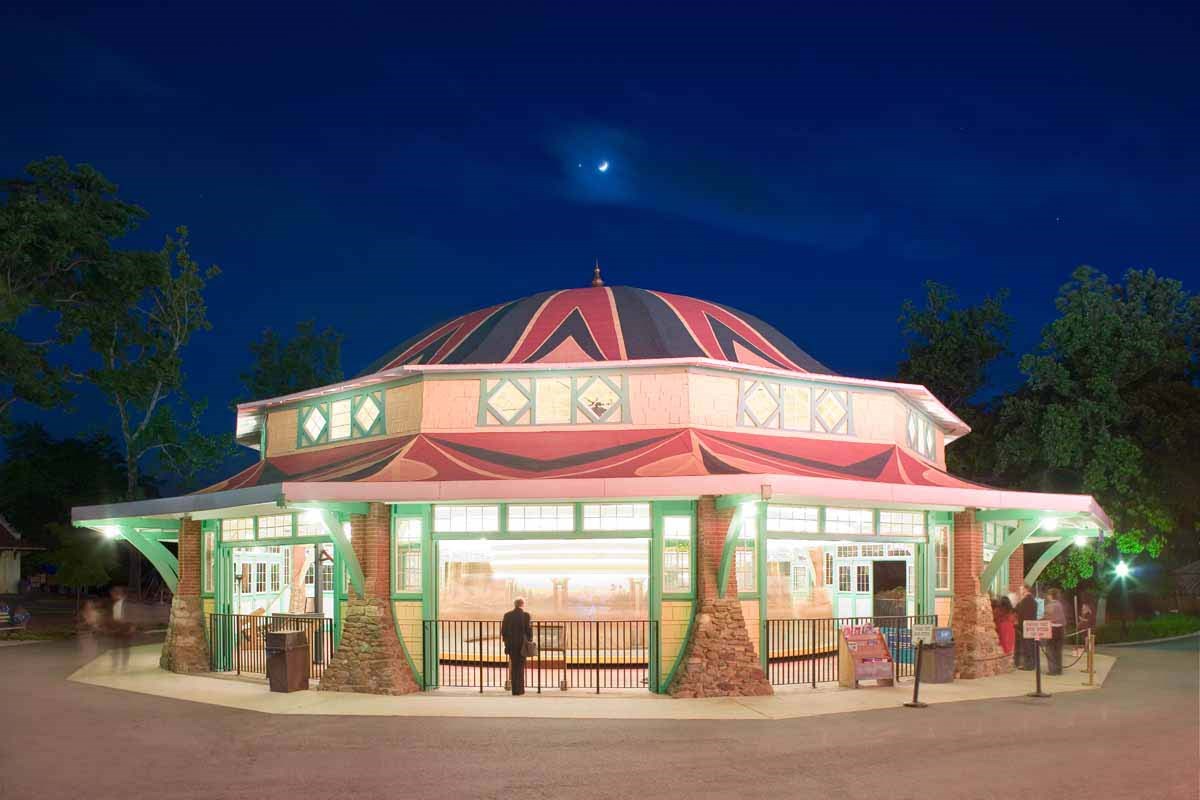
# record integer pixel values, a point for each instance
(156, 553)
(1011, 542)
(739, 504)
(332, 523)
(1052, 552)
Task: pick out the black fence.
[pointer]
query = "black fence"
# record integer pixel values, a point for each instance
(573, 654)
(238, 642)
(804, 651)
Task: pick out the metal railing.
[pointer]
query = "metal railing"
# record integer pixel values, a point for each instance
(238, 642)
(573, 654)
(804, 651)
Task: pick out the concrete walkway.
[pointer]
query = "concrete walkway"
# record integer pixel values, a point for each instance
(144, 676)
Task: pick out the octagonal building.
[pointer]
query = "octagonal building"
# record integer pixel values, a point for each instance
(649, 471)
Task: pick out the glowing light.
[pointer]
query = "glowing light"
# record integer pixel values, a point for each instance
(312, 516)
(1050, 524)
(1122, 569)
(603, 166)
(110, 531)
(1081, 541)
(346, 530)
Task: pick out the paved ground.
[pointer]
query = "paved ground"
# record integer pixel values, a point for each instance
(1139, 737)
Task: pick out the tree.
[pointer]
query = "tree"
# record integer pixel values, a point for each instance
(1112, 384)
(138, 317)
(949, 351)
(308, 359)
(81, 559)
(57, 226)
(42, 478)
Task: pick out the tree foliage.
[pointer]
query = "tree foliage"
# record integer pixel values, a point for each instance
(310, 358)
(81, 559)
(1111, 409)
(57, 227)
(138, 318)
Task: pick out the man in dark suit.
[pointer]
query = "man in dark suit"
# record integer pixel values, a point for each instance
(516, 630)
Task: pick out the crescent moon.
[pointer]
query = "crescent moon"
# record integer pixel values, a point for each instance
(603, 166)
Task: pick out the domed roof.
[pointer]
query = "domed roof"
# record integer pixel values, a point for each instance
(601, 323)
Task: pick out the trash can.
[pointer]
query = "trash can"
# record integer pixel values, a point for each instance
(937, 663)
(287, 660)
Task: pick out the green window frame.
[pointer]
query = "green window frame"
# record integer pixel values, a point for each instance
(208, 556)
(677, 578)
(408, 533)
(513, 400)
(315, 421)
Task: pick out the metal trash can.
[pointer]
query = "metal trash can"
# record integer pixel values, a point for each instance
(937, 663)
(287, 660)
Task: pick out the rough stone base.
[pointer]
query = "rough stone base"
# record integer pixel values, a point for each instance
(977, 652)
(720, 659)
(186, 648)
(370, 659)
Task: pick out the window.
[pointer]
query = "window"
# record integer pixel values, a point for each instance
(541, 518)
(326, 577)
(843, 578)
(237, 530)
(616, 516)
(828, 569)
(920, 434)
(677, 555)
(847, 551)
(408, 554)
(941, 554)
(466, 519)
(872, 550)
(276, 582)
(793, 406)
(863, 578)
(553, 400)
(339, 419)
(308, 576)
(746, 567)
(209, 545)
(277, 526)
(849, 520)
(793, 519)
(801, 580)
(260, 577)
(902, 523)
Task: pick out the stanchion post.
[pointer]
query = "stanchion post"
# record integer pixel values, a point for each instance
(916, 703)
(1091, 660)
(1037, 666)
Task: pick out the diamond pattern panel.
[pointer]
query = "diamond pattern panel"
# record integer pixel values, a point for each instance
(367, 413)
(315, 424)
(761, 404)
(831, 411)
(508, 402)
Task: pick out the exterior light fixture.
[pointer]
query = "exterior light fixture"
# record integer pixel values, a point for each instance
(110, 531)
(1050, 524)
(1081, 541)
(311, 516)
(1122, 569)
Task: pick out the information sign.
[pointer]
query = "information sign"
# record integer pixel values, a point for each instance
(1037, 629)
(922, 633)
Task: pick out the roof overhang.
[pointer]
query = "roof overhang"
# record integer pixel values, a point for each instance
(249, 414)
(1069, 510)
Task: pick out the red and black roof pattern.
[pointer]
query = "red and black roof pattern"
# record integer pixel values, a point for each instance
(646, 453)
(608, 323)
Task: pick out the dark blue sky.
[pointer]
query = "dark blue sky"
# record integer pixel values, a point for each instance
(811, 163)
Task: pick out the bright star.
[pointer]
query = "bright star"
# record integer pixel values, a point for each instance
(603, 166)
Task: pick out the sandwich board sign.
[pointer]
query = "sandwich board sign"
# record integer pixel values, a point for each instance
(1036, 629)
(922, 633)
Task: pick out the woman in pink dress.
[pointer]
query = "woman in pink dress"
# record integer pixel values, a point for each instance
(1006, 624)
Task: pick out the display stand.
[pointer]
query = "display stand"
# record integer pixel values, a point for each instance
(863, 656)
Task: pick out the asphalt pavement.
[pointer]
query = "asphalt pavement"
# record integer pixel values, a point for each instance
(1138, 737)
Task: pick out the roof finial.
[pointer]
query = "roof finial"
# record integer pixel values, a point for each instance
(597, 281)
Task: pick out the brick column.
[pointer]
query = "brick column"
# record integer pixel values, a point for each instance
(720, 659)
(977, 652)
(186, 647)
(370, 658)
(1016, 569)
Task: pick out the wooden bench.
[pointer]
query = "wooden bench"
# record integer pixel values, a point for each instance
(9, 622)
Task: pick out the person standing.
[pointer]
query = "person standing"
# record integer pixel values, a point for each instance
(1085, 623)
(120, 628)
(1005, 625)
(1026, 610)
(1058, 621)
(516, 629)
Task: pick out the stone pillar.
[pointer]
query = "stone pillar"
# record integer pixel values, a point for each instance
(186, 647)
(370, 658)
(1016, 569)
(720, 660)
(977, 652)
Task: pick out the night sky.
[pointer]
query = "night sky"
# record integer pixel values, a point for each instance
(810, 163)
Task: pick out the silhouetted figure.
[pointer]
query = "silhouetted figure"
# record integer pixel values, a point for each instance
(516, 630)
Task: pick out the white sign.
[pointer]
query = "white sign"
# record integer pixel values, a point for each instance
(922, 633)
(1037, 629)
